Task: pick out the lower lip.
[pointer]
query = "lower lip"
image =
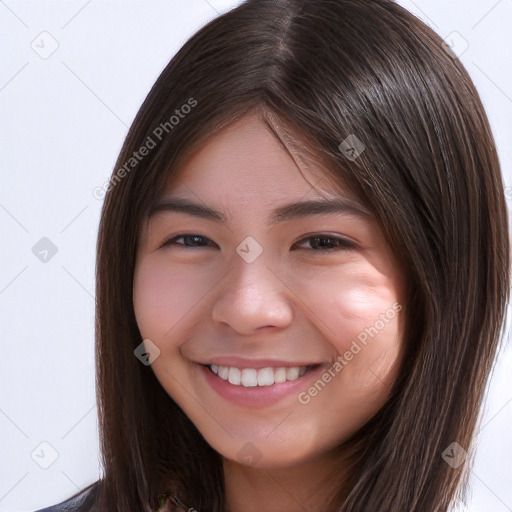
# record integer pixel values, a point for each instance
(259, 396)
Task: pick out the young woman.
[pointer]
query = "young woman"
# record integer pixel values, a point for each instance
(302, 270)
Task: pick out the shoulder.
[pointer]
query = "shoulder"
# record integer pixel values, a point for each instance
(82, 501)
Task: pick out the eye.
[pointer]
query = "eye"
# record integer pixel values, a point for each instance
(317, 243)
(325, 242)
(188, 238)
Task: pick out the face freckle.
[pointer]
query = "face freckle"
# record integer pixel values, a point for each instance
(244, 289)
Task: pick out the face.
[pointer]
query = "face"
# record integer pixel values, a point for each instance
(278, 329)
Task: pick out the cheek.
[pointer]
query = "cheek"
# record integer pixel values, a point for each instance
(360, 313)
(162, 298)
(351, 300)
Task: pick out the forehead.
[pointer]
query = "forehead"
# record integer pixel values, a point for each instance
(245, 158)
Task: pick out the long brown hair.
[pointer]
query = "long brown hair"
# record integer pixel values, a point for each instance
(325, 70)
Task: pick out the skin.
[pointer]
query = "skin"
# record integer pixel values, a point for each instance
(196, 299)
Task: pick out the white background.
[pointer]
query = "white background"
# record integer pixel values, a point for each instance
(63, 120)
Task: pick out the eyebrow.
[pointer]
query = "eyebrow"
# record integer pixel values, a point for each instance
(280, 214)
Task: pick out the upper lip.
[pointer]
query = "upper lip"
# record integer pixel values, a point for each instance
(240, 362)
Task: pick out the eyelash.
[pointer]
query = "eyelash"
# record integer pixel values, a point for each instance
(343, 243)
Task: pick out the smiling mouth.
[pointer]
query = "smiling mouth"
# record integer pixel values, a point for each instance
(252, 377)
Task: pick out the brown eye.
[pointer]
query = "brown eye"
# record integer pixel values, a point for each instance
(189, 240)
(324, 243)
(317, 243)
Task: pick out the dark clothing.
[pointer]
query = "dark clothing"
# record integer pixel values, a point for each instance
(85, 500)
(80, 502)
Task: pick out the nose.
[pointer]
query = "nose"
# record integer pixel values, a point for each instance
(253, 296)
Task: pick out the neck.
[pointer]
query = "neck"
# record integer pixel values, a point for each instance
(315, 486)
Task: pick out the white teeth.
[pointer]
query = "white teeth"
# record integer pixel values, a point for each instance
(266, 377)
(292, 373)
(223, 372)
(250, 377)
(280, 375)
(234, 376)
